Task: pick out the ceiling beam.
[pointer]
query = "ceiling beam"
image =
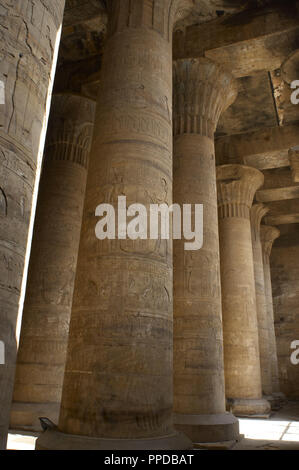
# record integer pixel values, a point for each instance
(278, 194)
(263, 149)
(283, 219)
(252, 40)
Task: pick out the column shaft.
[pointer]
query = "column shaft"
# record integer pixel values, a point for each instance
(237, 185)
(118, 380)
(30, 35)
(50, 283)
(202, 90)
(258, 211)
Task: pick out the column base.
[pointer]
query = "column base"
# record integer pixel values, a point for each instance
(249, 407)
(25, 416)
(277, 400)
(52, 439)
(208, 428)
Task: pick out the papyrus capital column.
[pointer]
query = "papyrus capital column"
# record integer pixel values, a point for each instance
(30, 36)
(52, 267)
(118, 391)
(268, 236)
(257, 213)
(237, 185)
(202, 90)
(294, 163)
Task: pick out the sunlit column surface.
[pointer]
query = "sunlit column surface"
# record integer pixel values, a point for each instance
(30, 33)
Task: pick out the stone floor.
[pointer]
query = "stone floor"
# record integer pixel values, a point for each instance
(279, 432)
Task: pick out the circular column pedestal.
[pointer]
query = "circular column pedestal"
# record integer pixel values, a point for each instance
(208, 428)
(52, 439)
(250, 407)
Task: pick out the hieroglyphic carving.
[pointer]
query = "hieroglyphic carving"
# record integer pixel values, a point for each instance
(144, 125)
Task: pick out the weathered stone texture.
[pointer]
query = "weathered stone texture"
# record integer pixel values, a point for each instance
(29, 32)
(49, 292)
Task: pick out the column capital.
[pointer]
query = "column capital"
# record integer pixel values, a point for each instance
(160, 16)
(70, 133)
(268, 236)
(237, 185)
(202, 91)
(258, 211)
(294, 163)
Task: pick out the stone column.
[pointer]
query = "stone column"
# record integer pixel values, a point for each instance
(202, 90)
(118, 391)
(258, 211)
(50, 283)
(237, 185)
(268, 236)
(30, 33)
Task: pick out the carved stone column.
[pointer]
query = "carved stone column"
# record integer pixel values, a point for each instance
(202, 90)
(268, 236)
(237, 185)
(30, 37)
(258, 211)
(50, 283)
(294, 163)
(117, 391)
